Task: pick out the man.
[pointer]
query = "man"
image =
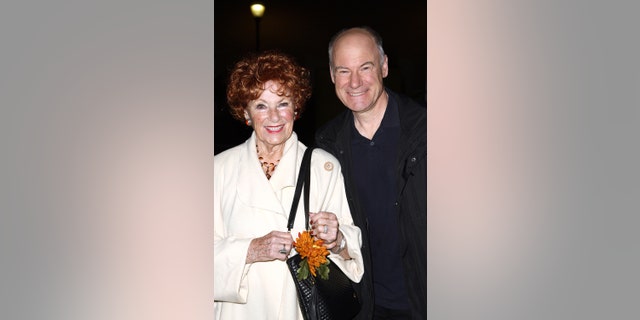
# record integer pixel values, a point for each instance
(381, 144)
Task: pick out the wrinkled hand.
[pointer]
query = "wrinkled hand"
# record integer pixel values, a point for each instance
(275, 245)
(324, 226)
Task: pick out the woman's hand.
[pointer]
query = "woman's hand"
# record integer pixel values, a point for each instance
(275, 245)
(324, 226)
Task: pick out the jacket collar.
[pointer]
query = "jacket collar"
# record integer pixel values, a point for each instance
(254, 189)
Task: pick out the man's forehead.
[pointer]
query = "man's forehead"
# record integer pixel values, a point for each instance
(354, 58)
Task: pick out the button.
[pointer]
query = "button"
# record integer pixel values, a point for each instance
(328, 166)
(372, 143)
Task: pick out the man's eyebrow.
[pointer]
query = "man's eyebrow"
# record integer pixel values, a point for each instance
(362, 65)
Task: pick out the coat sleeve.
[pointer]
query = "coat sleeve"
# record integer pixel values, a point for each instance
(332, 198)
(229, 268)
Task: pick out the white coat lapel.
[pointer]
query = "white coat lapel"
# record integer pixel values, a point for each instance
(254, 189)
(285, 174)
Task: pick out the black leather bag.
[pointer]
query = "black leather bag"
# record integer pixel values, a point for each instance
(331, 299)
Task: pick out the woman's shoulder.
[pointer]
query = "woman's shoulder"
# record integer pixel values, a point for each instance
(324, 159)
(323, 154)
(231, 155)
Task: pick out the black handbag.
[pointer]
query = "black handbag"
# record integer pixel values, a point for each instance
(319, 299)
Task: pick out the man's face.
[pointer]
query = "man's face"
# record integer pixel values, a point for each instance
(357, 71)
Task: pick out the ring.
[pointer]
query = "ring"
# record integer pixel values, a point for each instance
(325, 228)
(284, 249)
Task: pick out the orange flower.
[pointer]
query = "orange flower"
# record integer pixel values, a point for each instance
(312, 251)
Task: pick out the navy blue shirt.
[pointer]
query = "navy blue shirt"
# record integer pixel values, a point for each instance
(374, 172)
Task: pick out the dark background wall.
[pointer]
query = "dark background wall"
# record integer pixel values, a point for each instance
(303, 29)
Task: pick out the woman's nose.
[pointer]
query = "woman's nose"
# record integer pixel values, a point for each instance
(274, 115)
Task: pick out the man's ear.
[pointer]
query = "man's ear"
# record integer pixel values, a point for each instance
(385, 66)
(333, 77)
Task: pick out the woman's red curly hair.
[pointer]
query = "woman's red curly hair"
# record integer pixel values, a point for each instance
(250, 74)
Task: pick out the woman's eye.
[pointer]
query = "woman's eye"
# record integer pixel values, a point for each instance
(283, 104)
(261, 106)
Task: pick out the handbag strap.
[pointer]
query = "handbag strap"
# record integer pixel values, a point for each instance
(304, 178)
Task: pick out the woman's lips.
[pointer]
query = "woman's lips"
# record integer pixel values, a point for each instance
(274, 129)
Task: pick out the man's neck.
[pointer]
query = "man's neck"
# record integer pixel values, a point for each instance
(368, 122)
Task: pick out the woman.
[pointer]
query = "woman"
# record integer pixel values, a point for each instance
(254, 187)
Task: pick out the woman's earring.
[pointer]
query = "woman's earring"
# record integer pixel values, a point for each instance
(248, 122)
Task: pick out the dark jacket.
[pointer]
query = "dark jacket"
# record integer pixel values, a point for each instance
(411, 199)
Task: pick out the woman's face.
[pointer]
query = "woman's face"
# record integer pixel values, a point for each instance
(271, 117)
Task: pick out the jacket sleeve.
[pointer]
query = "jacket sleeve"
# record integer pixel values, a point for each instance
(332, 198)
(229, 268)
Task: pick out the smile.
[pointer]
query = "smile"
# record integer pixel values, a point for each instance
(355, 94)
(274, 129)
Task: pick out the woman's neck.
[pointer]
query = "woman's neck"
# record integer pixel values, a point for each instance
(271, 154)
(269, 159)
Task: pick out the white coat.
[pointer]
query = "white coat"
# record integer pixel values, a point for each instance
(247, 205)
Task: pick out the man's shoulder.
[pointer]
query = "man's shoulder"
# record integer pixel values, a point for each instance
(329, 131)
(407, 104)
(413, 116)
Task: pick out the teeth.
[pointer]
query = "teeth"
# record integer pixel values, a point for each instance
(274, 128)
(354, 94)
